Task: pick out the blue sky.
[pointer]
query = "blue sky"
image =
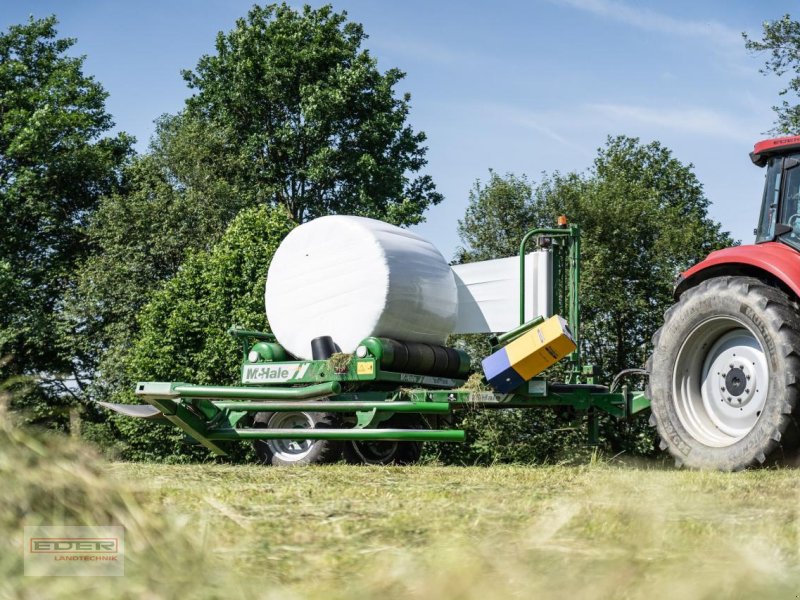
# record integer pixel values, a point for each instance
(525, 87)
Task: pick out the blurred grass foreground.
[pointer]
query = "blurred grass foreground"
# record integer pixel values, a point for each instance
(591, 531)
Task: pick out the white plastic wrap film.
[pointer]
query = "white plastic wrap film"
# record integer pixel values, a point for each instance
(488, 292)
(422, 301)
(540, 286)
(351, 278)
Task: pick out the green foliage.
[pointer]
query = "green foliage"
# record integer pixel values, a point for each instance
(55, 164)
(498, 214)
(182, 330)
(133, 253)
(781, 43)
(306, 120)
(643, 219)
(513, 436)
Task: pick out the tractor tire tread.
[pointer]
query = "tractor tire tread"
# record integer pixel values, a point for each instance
(776, 435)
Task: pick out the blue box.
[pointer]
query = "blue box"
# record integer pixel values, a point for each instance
(499, 372)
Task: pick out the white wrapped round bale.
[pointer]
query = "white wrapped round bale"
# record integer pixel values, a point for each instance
(351, 278)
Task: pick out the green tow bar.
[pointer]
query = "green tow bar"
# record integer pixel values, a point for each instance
(338, 406)
(319, 390)
(384, 435)
(197, 408)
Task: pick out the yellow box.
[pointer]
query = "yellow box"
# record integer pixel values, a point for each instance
(540, 348)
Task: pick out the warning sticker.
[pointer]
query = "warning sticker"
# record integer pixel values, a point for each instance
(365, 367)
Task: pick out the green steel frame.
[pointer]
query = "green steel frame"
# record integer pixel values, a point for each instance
(369, 394)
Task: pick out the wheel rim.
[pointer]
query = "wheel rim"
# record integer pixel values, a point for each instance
(290, 450)
(721, 382)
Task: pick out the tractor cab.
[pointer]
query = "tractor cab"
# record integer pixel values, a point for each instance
(780, 209)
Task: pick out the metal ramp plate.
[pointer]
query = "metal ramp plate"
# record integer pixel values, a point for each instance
(141, 411)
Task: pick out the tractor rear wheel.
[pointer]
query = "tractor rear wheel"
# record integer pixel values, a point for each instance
(723, 375)
(296, 452)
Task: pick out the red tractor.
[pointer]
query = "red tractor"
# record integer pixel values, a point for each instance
(725, 370)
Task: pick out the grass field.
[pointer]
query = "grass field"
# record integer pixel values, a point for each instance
(597, 531)
(602, 530)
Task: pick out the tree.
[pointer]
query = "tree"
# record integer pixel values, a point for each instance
(643, 218)
(781, 42)
(498, 214)
(182, 329)
(311, 122)
(133, 253)
(55, 164)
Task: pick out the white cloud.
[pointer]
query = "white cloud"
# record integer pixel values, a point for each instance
(650, 20)
(690, 120)
(572, 126)
(536, 121)
(429, 52)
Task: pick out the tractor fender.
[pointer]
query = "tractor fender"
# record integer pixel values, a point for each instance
(770, 260)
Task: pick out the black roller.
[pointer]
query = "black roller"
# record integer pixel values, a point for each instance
(323, 347)
(453, 361)
(440, 362)
(415, 357)
(425, 355)
(400, 353)
(423, 359)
